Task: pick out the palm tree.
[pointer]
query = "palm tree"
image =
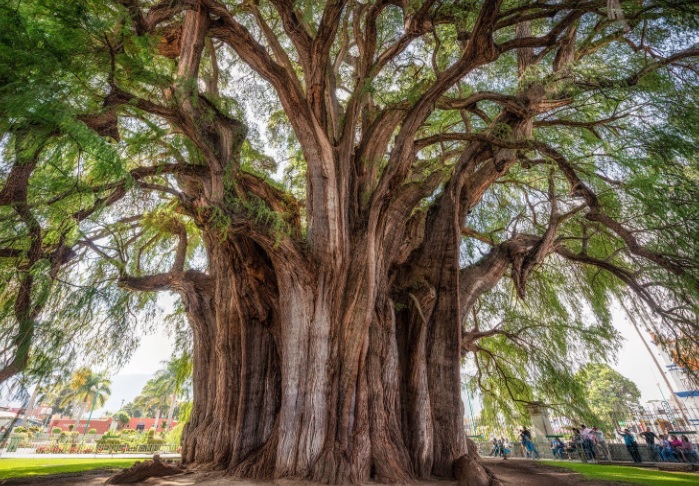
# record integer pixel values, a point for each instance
(88, 389)
(168, 384)
(177, 372)
(153, 396)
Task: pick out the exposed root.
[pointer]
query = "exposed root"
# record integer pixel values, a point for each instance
(261, 463)
(470, 471)
(143, 470)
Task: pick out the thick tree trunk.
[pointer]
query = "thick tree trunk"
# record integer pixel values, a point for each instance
(311, 373)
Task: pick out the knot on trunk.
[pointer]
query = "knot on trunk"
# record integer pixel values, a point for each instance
(170, 42)
(141, 471)
(469, 471)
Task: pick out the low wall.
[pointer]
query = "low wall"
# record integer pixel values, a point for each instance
(603, 452)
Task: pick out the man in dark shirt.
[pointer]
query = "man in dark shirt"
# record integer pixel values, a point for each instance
(649, 436)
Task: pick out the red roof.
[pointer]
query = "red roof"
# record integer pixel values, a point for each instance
(147, 423)
(101, 426)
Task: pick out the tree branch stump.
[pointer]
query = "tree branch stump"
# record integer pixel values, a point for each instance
(141, 471)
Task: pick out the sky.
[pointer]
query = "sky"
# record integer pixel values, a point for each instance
(633, 361)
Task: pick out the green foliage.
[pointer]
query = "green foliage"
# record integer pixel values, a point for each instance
(122, 417)
(89, 388)
(160, 392)
(174, 436)
(609, 394)
(634, 144)
(541, 344)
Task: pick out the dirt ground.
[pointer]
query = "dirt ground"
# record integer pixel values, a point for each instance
(512, 472)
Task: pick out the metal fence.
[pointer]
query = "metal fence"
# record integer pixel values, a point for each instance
(15, 446)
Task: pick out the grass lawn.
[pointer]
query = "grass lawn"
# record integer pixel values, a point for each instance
(627, 474)
(22, 468)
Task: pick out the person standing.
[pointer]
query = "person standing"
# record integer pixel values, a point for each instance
(631, 444)
(650, 438)
(588, 442)
(527, 442)
(601, 443)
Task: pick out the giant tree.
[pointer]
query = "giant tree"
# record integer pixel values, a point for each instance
(336, 191)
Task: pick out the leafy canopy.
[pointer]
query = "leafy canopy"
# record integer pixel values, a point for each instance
(591, 127)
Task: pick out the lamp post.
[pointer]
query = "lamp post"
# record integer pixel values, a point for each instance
(473, 421)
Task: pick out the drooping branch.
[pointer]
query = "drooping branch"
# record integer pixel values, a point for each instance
(596, 213)
(625, 275)
(27, 305)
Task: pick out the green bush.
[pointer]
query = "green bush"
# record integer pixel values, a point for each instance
(56, 430)
(92, 431)
(20, 430)
(110, 441)
(122, 417)
(175, 434)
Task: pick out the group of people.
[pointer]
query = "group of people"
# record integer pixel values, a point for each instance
(585, 439)
(669, 448)
(503, 448)
(590, 443)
